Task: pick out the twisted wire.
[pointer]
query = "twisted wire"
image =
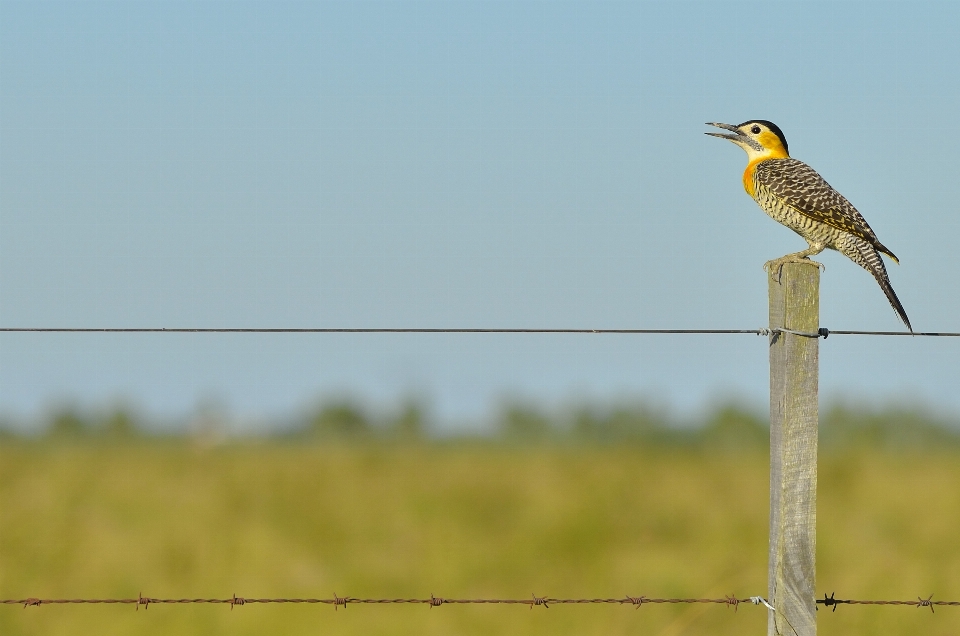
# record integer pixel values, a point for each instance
(823, 332)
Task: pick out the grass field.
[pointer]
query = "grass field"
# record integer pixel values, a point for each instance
(174, 518)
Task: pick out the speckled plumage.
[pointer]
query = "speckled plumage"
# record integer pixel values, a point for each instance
(794, 194)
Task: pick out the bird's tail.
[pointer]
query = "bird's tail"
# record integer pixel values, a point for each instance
(869, 259)
(883, 250)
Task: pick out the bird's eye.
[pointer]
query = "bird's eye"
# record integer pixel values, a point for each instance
(755, 130)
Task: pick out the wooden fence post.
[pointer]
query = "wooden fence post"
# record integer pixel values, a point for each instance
(794, 371)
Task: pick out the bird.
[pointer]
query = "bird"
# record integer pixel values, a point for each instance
(795, 195)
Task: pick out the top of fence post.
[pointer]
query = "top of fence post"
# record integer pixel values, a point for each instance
(794, 305)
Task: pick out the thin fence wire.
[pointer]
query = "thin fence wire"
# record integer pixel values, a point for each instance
(436, 601)
(821, 333)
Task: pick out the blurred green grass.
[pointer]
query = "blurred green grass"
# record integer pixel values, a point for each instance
(114, 516)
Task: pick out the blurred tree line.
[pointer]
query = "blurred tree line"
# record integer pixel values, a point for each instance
(726, 425)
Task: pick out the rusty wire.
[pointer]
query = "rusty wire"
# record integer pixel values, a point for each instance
(343, 601)
(436, 601)
(829, 601)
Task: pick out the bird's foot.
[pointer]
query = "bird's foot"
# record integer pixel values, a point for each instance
(775, 267)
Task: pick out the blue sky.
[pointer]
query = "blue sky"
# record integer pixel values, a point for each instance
(468, 164)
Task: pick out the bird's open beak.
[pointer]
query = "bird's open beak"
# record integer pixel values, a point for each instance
(737, 136)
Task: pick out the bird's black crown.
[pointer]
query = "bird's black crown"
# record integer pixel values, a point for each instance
(773, 128)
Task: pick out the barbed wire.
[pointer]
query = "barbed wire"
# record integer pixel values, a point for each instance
(823, 332)
(436, 601)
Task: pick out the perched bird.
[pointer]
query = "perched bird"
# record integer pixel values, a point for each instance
(792, 193)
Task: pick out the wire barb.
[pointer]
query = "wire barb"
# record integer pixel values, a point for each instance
(436, 601)
(926, 602)
(539, 601)
(830, 601)
(338, 602)
(636, 600)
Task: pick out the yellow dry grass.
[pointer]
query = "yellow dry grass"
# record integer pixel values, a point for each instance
(172, 519)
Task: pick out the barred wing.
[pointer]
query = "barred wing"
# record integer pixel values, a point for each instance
(799, 186)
